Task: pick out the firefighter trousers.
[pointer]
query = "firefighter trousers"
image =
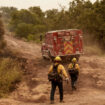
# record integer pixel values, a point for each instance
(74, 78)
(53, 88)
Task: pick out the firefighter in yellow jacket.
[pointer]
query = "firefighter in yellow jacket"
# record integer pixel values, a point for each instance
(73, 70)
(55, 74)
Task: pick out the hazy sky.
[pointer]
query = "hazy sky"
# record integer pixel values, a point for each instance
(44, 4)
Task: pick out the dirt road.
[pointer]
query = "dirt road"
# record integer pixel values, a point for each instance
(35, 88)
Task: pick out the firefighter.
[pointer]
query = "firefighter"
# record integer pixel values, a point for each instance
(41, 38)
(57, 80)
(73, 69)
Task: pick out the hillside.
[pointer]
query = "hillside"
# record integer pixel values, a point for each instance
(35, 88)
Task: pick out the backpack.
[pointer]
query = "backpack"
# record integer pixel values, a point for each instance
(54, 75)
(73, 70)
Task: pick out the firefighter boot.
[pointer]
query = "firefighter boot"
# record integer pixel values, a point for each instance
(61, 101)
(74, 86)
(52, 102)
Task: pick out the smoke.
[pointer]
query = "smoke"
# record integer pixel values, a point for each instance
(92, 46)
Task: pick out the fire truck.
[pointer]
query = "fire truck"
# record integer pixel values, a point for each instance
(64, 43)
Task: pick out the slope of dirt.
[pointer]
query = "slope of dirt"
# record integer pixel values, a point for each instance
(25, 49)
(35, 88)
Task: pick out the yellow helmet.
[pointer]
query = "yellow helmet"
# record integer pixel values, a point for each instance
(74, 60)
(57, 58)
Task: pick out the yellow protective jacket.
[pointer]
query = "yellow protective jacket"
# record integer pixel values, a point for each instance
(70, 66)
(61, 70)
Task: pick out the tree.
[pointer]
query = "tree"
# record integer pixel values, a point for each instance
(82, 14)
(1, 29)
(6, 13)
(2, 42)
(23, 30)
(51, 19)
(37, 11)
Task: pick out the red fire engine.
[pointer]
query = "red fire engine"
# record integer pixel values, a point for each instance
(64, 43)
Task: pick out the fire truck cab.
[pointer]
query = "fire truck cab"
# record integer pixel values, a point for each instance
(64, 43)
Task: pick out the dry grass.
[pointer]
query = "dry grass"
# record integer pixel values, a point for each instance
(10, 74)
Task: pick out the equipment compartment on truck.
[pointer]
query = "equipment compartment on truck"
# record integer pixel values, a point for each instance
(64, 43)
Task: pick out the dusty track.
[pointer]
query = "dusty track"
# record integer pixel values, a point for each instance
(35, 88)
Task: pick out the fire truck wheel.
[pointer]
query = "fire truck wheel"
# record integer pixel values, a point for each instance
(52, 58)
(49, 54)
(44, 57)
(77, 57)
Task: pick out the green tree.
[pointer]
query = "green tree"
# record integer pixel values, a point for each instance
(82, 14)
(2, 42)
(37, 11)
(1, 29)
(23, 30)
(6, 13)
(51, 19)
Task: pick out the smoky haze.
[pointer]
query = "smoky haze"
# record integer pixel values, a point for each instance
(44, 4)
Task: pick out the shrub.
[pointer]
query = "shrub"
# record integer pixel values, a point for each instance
(30, 37)
(1, 30)
(10, 74)
(23, 30)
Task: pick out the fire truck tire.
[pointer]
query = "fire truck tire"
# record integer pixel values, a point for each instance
(77, 57)
(52, 58)
(49, 54)
(44, 57)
